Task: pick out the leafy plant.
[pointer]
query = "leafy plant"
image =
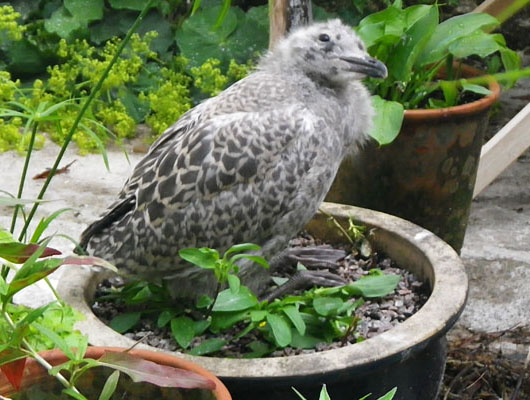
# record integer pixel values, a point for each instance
(325, 396)
(302, 321)
(148, 83)
(224, 269)
(415, 47)
(240, 36)
(24, 332)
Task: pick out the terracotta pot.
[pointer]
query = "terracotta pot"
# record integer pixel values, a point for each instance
(428, 173)
(34, 372)
(410, 356)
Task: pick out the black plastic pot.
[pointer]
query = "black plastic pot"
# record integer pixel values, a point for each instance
(410, 356)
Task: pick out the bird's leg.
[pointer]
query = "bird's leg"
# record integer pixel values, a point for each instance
(311, 257)
(305, 279)
(314, 256)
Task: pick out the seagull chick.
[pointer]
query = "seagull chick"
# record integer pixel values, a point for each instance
(251, 165)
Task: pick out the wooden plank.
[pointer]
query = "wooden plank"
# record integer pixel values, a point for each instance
(501, 9)
(504, 148)
(277, 21)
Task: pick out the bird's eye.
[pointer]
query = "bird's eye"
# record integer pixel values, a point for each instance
(324, 37)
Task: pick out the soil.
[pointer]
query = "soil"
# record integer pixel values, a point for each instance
(485, 366)
(375, 315)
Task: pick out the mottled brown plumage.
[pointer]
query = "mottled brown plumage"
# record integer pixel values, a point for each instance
(250, 165)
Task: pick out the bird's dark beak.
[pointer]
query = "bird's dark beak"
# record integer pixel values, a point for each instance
(367, 65)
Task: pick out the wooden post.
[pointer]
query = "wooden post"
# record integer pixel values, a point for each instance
(500, 151)
(285, 15)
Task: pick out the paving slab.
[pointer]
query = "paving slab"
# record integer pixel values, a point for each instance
(87, 189)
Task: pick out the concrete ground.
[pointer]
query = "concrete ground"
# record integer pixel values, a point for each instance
(496, 254)
(496, 251)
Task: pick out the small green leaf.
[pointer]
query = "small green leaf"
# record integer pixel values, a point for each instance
(294, 315)
(123, 322)
(31, 272)
(204, 257)
(324, 394)
(183, 330)
(450, 92)
(33, 315)
(373, 286)
(3, 286)
(85, 10)
(164, 317)
(74, 394)
(207, 347)
(258, 315)
(81, 345)
(44, 223)
(56, 339)
(6, 236)
(327, 306)
(204, 302)
(389, 396)
(233, 283)
(388, 120)
(200, 326)
(305, 341)
(280, 329)
(476, 89)
(228, 301)
(238, 248)
(224, 320)
(143, 295)
(257, 259)
(110, 386)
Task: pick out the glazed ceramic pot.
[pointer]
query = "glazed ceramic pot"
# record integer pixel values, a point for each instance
(427, 174)
(410, 356)
(36, 375)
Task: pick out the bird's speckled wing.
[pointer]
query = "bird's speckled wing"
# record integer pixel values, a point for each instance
(224, 180)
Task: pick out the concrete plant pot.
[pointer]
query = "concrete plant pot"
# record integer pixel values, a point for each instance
(410, 356)
(427, 174)
(34, 374)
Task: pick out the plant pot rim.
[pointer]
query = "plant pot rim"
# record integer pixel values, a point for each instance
(449, 291)
(56, 357)
(463, 109)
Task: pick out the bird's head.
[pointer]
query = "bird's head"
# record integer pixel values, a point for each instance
(330, 50)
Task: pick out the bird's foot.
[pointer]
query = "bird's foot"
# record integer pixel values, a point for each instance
(304, 279)
(315, 256)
